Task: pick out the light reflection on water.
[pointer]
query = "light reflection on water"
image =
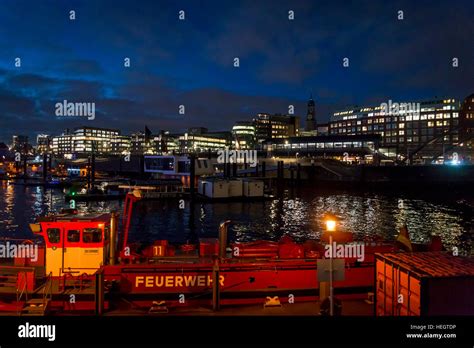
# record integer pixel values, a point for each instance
(298, 214)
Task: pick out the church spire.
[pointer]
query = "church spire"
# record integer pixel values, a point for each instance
(311, 114)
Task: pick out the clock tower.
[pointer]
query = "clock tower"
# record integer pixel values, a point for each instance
(311, 115)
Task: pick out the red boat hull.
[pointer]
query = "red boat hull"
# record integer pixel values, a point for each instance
(240, 282)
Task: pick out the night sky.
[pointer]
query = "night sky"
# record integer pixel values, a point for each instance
(190, 62)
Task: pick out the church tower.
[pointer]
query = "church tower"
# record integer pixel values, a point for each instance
(311, 115)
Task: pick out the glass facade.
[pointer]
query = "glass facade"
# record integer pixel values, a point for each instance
(320, 145)
(435, 120)
(87, 140)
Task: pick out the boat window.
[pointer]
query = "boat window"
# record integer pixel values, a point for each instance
(73, 236)
(92, 235)
(54, 235)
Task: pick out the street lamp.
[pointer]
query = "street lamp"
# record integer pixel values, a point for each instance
(331, 224)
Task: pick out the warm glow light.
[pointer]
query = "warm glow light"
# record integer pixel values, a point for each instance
(330, 225)
(331, 222)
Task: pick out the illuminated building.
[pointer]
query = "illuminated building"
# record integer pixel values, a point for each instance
(162, 143)
(20, 144)
(466, 122)
(62, 144)
(276, 126)
(331, 146)
(425, 131)
(43, 143)
(86, 140)
(243, 133)
(120, 144)
(138, 145)
(199, 140)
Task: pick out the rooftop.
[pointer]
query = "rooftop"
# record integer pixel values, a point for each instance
(68, 217)
(431, 264)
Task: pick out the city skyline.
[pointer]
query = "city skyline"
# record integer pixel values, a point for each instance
(321, 128)
(190, 62)
(301, 161)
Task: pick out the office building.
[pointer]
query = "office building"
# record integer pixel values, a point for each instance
(406, 128)
(243, 134)
(84, 140)
(202, 141)
(43, 144)
(276, 126)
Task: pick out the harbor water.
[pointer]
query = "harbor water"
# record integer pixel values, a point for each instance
(297, 213)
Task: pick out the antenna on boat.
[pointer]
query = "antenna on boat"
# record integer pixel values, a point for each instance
(130, 199)
(113, 238)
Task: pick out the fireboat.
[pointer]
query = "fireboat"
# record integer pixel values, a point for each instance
(84, 267)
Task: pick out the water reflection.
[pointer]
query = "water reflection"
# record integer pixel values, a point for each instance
(298, 213)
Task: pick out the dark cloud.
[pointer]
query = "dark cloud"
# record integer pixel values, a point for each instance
(153, 103)
(21, 81)
(82, 67)
(190, 62)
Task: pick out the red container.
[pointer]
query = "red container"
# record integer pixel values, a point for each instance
(208, 246)
(424, 284)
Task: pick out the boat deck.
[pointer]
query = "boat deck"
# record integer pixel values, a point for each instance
(350, 307)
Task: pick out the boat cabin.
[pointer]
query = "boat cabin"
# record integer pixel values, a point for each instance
(75, 244)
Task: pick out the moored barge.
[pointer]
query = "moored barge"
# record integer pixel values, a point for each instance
(82, 266)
